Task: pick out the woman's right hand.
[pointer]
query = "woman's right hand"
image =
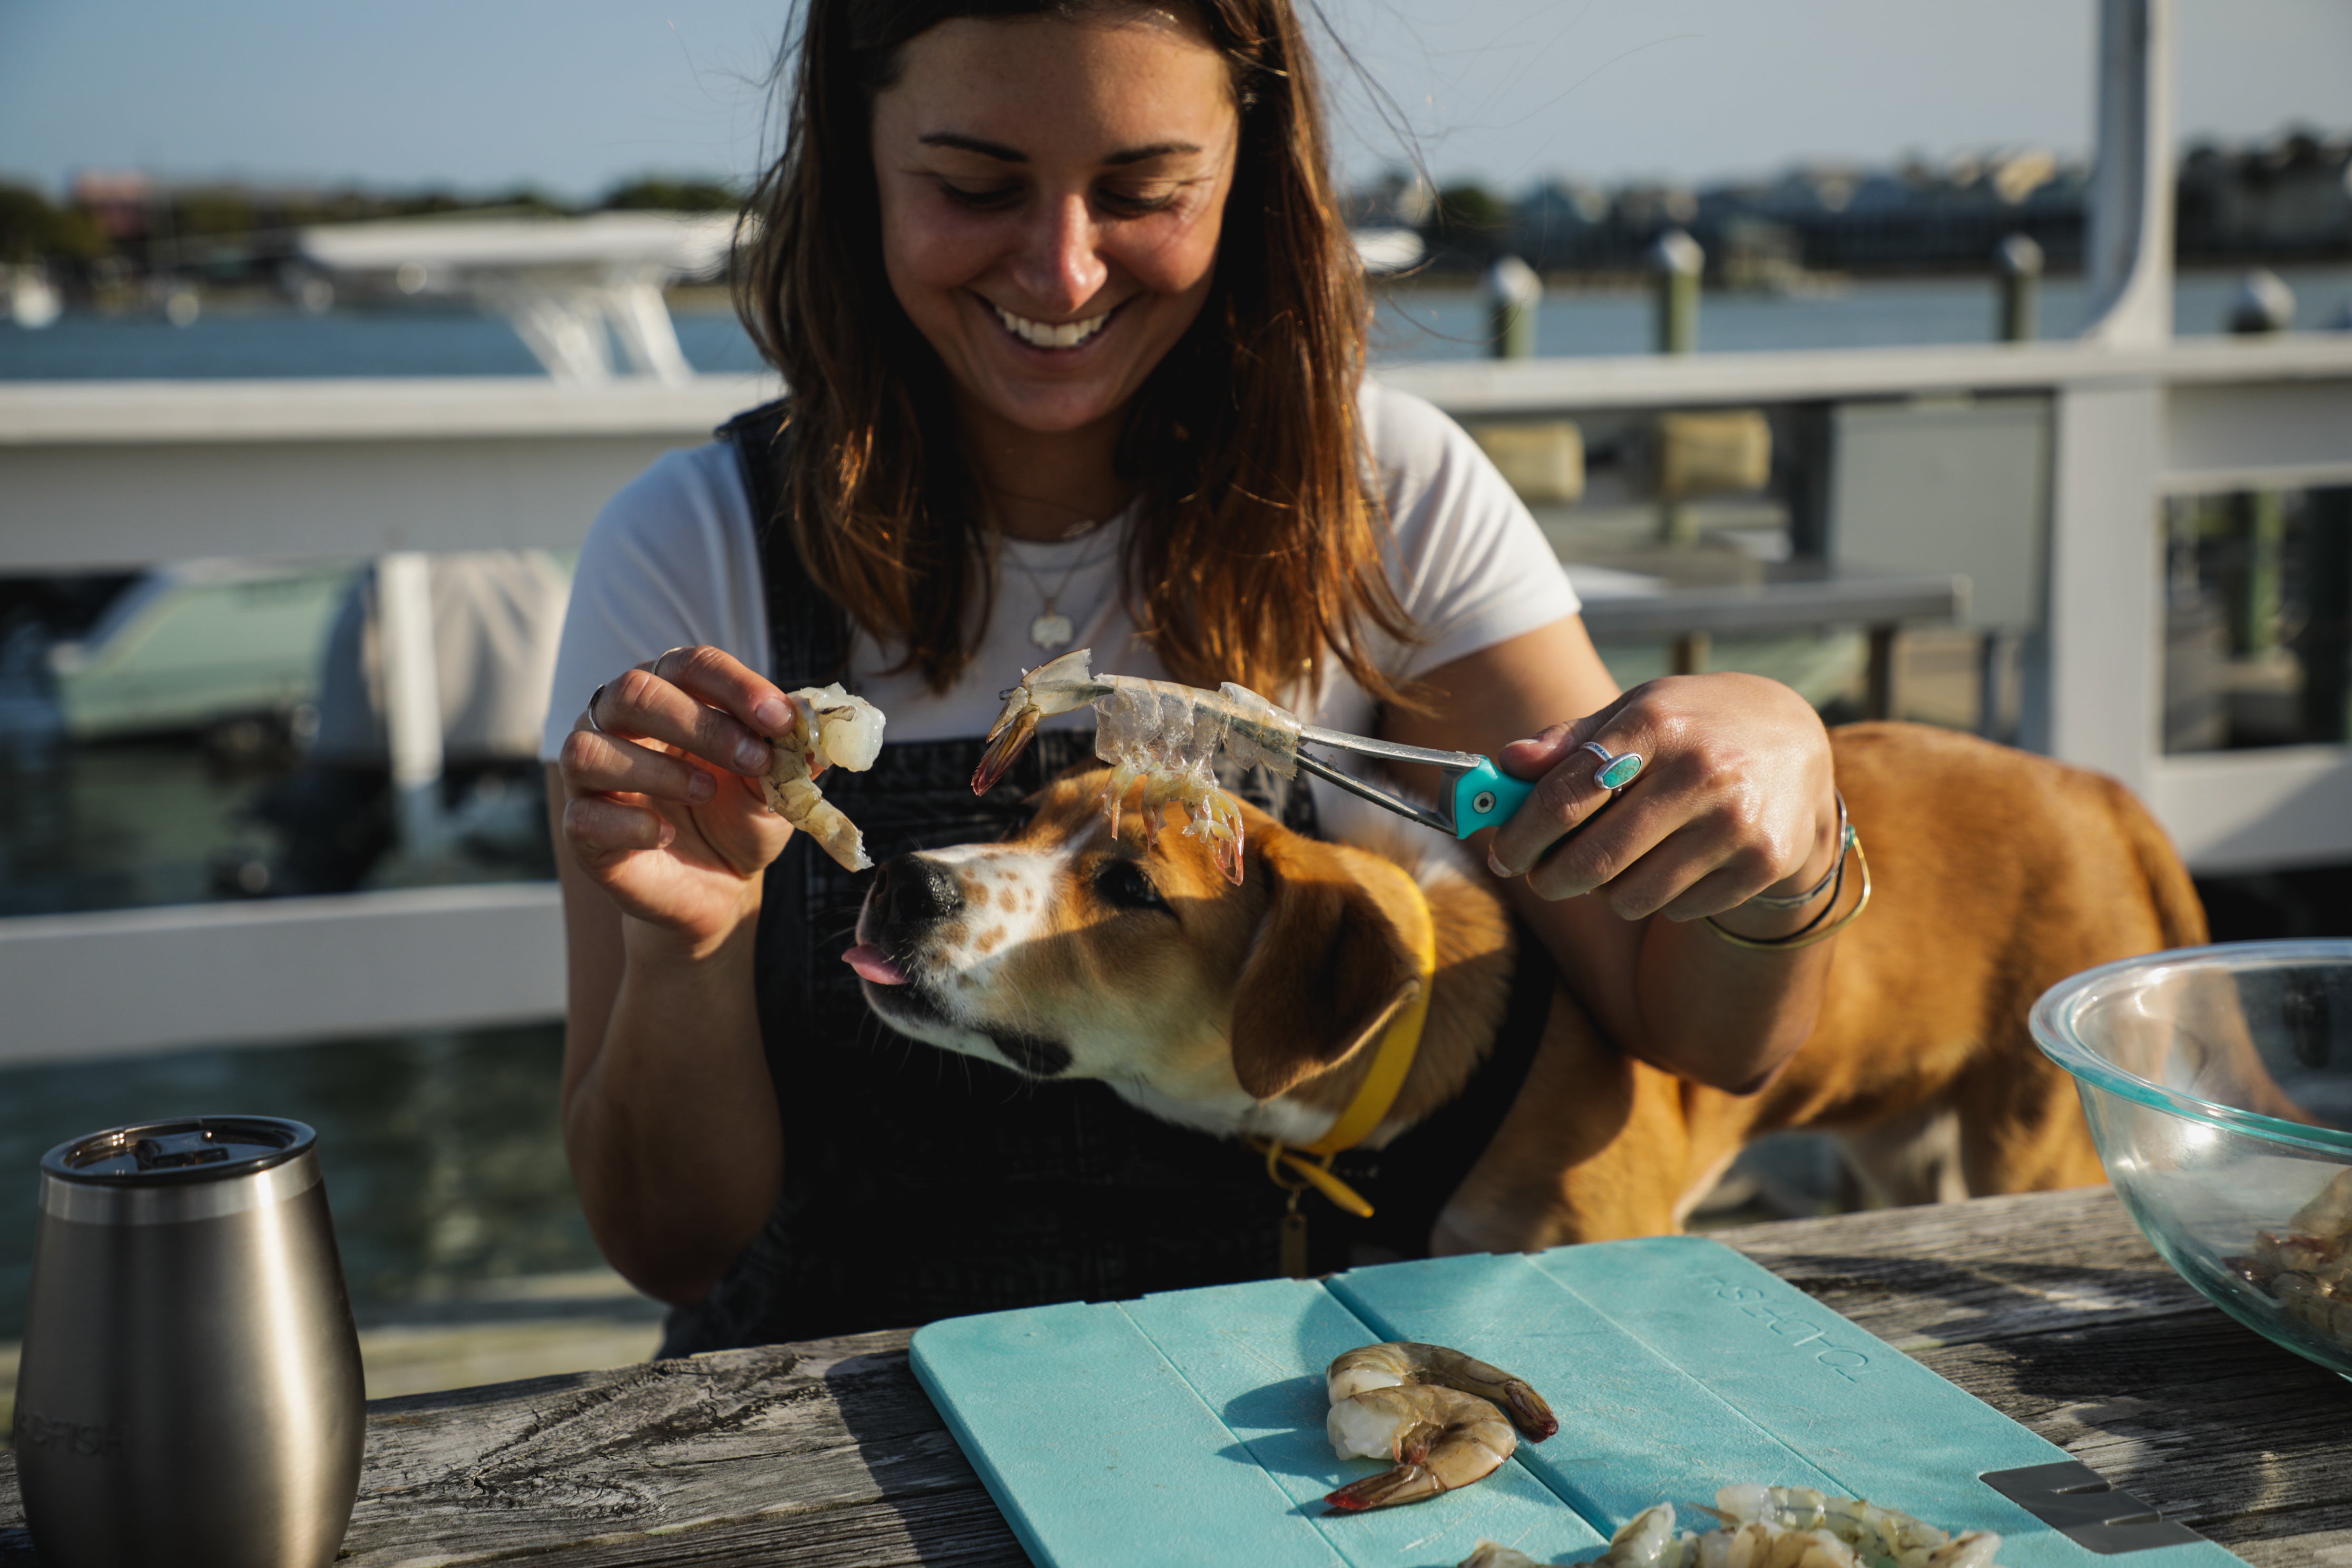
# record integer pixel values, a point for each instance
(662, 805)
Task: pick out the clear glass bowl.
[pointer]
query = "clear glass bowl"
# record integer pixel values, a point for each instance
(2218, 1081)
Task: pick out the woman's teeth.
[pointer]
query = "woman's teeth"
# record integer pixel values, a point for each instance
(1045, 334)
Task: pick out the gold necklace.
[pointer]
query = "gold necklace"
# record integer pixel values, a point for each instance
(1051, 629)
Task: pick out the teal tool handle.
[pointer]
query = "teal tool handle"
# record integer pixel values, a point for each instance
(1485, 796)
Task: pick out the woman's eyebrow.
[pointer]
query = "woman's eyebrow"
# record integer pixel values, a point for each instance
(996, 150)
(1157, 150)
(1004, 155)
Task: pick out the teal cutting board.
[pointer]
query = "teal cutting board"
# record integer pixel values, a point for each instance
(1186, 1429)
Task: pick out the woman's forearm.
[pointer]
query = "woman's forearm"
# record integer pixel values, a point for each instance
(1699, 1008)
(1699, 1005)
(672, 1129)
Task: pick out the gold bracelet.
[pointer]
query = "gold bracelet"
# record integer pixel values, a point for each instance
(1804, 939)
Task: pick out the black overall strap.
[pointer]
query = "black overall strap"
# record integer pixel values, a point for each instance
(809, 632)
(808, 636)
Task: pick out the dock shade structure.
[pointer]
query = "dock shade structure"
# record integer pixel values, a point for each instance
(2121, 420)
(570, 285)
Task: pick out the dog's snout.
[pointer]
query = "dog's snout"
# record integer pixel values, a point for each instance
(912, 890)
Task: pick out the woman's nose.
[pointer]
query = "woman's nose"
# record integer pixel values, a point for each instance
(1060, 267)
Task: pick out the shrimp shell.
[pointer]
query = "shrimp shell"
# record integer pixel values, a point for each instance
(1407, 1362)
(1158, 734)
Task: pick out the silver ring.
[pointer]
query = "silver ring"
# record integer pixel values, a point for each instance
(592, 725)
(1617, 769)
(655, 668)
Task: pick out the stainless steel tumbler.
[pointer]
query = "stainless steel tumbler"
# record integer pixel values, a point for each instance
(190, 1388)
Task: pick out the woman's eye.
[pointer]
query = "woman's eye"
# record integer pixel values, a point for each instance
(1126, 885)
(983, 197)
(1135, 203)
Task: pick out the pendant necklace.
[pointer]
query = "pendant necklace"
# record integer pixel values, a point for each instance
(1051, 629)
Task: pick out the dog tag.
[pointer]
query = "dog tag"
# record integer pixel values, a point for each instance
(1294, 1242)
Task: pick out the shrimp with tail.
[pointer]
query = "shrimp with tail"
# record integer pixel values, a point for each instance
(1433, 1411)
(1403, 1362)
(1439, 1438)
(1155, 734)
(830, 729)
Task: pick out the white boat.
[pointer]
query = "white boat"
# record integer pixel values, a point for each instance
(569, 286)
(32, 300)
(198, 641)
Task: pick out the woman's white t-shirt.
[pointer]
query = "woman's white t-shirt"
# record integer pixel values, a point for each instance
(673, 561)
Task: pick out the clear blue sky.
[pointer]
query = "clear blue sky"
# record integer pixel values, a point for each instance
(574, 94)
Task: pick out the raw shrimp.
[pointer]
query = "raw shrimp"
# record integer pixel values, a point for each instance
(1776, 1527)
(1440, 1439)
(1494, 1554)
(2308, 1269)
(830, 729)
(1647, 1541)
(1876, 1535)
(1403, 1362)
(1155, 733)
(1643, 1540)
(2328, 1216)
(1497, 1555)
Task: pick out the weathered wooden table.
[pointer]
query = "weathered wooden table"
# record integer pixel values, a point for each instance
(2051, 1308)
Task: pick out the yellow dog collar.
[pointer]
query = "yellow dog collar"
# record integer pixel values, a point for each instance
(1310, 1164)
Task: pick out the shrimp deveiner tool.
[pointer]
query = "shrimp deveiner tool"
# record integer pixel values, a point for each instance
(1475, 794)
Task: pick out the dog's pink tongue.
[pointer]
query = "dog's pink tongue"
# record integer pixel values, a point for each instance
(872, 964)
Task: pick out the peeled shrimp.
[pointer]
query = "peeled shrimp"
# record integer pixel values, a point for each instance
(1776, 1527)
(1794, 1527)
(2307, 1268)
(830, 729)
(1406, 1362)
(1155, 734)
(1494, 1554)
(1646, 1540)
(2328, 1216)
(1440, 1439)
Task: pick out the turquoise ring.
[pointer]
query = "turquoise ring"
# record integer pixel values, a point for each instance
(1616, 771)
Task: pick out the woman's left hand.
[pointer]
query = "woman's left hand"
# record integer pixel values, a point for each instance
(1735, 798)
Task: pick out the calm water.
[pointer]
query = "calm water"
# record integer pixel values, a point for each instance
(1421, 323)
(443, 1159)
(1432, 325)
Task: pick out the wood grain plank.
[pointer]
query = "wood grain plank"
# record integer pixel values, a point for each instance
(1968, 1273)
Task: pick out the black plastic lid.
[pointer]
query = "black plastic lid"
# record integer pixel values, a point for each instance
(192, 1149)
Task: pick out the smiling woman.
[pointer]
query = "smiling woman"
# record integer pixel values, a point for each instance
(1111, 227)
(1074, 340)
(991, 248)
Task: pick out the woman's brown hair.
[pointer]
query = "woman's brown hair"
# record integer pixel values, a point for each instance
(1257, 551)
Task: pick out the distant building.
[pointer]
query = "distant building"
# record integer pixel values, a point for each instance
(117, 203)
(2290, 197)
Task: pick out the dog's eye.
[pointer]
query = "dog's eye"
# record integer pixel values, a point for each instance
(1126, 885)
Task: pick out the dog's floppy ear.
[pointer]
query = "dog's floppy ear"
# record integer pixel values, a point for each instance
(1329, 966)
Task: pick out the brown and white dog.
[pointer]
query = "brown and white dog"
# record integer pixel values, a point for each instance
(1065, 951)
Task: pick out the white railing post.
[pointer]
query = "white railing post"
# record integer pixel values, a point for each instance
(412, 695)
(2127, 262)
(2093, 686)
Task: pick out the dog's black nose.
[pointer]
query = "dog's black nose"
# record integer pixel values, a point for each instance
(913, 892)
